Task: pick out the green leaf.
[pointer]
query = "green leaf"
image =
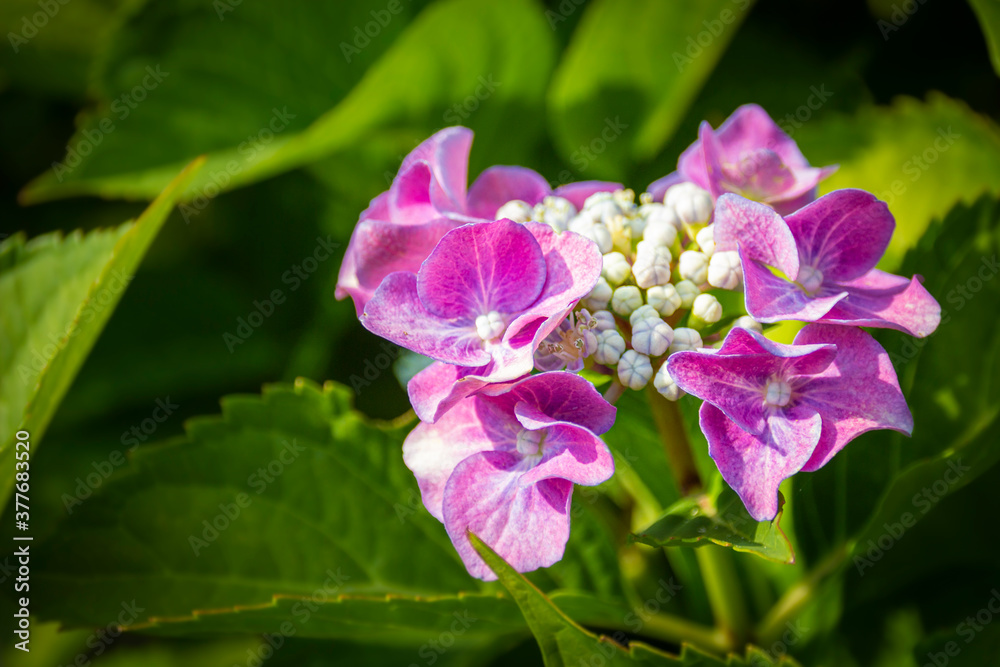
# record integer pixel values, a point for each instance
(720, 519)
(921, 158)
(630, 72)
(289, 508)
(565, 643)
(58, 293)
(453, 50)
(988, 12)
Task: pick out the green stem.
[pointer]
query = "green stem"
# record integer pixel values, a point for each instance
(669, 423)
(795, 598)
(725, 593)
(678, 631)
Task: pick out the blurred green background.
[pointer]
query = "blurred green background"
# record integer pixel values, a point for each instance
(869, 85)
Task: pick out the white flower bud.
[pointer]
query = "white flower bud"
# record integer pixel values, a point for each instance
(605, 320)
(554, 211)
(515, 210)
(600, 235)
(660, 233)
(725, 270)
(652, 336)
(652, 264)
(626, 299)
(693, 266)
(688, 292)
(616, 268)
(664, 298)
(685, 339)
(610, 346)
(665, 384)
(643, 313)
(600, 296)
(691, 203)
(656, 214)
(596, 198)
(603, 211)
(747, 322)
(706, 239)
(625, 199)
(707, 308)
(634, 370)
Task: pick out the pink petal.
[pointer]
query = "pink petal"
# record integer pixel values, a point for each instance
(500, 184)
(884, 300)
(397, 314)
(572, 453)
(773, 299)
(572, 265)
(378, 248)
(843, 234)
(409, 200)
(658, 188)
(439, 387)
(432, 451)
(484, 267)
(578, 192)
(446, 154)
(754, 466)
(758, 231)
(565, 397)
(859, 392)
(527, 525)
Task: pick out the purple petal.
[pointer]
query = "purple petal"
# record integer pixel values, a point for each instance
(432, 451)
(754, 466)
(578, 192)
(750, 128)
(658, 188)
(843, 234)
(770, 298)
(484, 267)
(800, 359)
(378, 248)
(712, 155)
(859, 392)
(572, 453)
(760, 174)
(500, 184)
(758, 231)
(439, 387)
(736, 383)
(397, 314)
(527, 525)
(884, 300)
(446, 154)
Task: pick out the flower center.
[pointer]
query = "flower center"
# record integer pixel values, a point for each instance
(530, 443)
(777, 393)
(490, 326)
(810, 278)
(570, 342)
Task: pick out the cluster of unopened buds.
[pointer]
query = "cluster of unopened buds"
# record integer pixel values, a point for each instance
(514, 289)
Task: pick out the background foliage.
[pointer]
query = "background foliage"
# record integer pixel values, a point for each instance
(303, 118)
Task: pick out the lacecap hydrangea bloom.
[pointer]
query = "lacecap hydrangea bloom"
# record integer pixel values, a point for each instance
(512, 288)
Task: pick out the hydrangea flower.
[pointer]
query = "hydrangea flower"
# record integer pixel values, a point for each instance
(772, 410)
(748, 155)
(830, 248)
(427, 199)
(503, 465)
(483, 301)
